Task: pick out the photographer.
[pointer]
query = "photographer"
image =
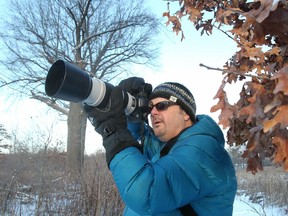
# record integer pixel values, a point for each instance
(180, 167)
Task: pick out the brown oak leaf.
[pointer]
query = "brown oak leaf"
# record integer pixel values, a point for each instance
(281, 154)
(261, 13)
(227, 110)
(282, 81)
(281, 118)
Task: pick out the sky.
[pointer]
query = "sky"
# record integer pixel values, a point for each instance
(179, 62)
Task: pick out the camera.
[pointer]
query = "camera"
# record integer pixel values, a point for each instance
(67, 82)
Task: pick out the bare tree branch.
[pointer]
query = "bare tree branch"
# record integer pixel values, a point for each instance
(51, 103)
(104, 38)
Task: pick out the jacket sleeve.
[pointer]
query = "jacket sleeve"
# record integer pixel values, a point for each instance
(174, 180)
(134, 128)
(151, 143)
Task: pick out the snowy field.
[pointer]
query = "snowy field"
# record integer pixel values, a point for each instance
(244, 207)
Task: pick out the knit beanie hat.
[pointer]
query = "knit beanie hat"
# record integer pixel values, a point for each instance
(177, 93)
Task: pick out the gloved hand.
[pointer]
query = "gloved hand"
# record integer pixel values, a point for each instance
(111, 123)
(132, 85)
(137, 87)
(107, 120)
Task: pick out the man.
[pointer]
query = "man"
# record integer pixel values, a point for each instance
(181, 168)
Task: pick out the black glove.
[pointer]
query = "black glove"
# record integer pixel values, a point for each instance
(132, 85)
(137, 87)
(111, 123)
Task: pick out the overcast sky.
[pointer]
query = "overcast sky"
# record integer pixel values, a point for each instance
(178, 62)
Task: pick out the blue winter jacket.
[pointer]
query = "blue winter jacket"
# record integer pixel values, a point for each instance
(197, 170)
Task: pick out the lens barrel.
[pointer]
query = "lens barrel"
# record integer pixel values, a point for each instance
(67, 82)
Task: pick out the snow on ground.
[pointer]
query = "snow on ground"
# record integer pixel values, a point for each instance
(242, 206)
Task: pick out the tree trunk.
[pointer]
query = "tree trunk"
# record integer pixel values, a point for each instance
(76, 138)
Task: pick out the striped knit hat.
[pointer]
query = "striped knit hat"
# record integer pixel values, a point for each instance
(177, 93)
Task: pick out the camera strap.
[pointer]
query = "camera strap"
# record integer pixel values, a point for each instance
(142, 131)
(186, 210)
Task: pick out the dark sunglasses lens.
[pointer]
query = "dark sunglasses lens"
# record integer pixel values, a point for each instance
(162, 106)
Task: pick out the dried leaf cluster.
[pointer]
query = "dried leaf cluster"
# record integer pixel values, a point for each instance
(259, 119)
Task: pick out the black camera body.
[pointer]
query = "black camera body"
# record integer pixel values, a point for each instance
(67, 82)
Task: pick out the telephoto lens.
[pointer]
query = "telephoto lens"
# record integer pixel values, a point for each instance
(68, 82)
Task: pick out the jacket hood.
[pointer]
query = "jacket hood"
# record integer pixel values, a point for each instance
(205, 125)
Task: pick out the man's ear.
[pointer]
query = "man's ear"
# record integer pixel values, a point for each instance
(186, 116)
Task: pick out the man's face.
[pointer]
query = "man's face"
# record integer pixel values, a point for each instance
(169, 121)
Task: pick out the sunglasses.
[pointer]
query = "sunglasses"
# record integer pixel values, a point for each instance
(161, 106)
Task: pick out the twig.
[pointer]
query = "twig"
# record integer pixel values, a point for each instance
(234, 72)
